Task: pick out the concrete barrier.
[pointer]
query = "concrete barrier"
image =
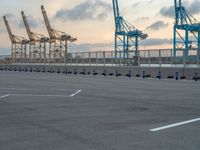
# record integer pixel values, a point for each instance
(143, 72)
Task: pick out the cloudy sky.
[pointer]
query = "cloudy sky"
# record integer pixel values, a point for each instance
(91, 21)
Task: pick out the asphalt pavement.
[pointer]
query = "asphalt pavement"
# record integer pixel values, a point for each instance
(43, 111)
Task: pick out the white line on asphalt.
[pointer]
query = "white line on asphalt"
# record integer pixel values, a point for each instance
(34, 95)
(175, 125)
(27, 89)
(72, 95)
(4, 96)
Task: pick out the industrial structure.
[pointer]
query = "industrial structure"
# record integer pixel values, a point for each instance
(57, 43)
(186, 31)
(18, 51)
(38, 50)
(54, 49)
(37, 44)
(126, 35)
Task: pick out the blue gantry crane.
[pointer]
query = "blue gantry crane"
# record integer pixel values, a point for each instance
(126, 35)
(186, 31)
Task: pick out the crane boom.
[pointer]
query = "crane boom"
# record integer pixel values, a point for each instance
(26, 25)
(9, 30)
(18, 47)
(116, 8)
(58, 41)
(46, 20)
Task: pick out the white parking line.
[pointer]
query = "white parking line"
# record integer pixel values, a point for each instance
(72, 95)
(4, 96)
(175, 125)
(27, 89)
(37, 95)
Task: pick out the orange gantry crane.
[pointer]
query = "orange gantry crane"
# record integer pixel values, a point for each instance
(37, 44)
(18, 48)
(58, 42)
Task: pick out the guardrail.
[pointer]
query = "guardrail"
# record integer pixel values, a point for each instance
(147, 58)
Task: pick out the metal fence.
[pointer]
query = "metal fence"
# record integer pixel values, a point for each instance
(147, 58)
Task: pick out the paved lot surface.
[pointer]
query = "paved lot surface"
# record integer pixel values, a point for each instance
(60, 112)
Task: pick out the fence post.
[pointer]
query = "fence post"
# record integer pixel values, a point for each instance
(89, 58)
(82, 58)
(112, 59)
(71, 57)
(96, 59)
(120, 57)
(198, 53)
(129, 59)
(160, 60)
(149, 60)
(138, 56)
(171, 57)
(104, 58)
(76, 59)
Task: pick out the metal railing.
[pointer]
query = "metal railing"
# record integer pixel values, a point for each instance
(146, 58)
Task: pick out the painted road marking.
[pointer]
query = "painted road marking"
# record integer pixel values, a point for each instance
(27, 89)
(175, 125)
(37, 95)
(4, 96)
(40, 95)
(72, 95)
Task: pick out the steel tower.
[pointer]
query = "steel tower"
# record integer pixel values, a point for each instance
(58, 41)
(186, 30)
(37, 43)
(126, 35)
(18, 48)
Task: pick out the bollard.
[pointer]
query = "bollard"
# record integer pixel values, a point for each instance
(143, 74)
(94, 72)
(117, 73)
(159, 75)
(50, 70)
(104, 73)
(84, 72)
(75, 72)
(58, 71)
(129, 74)
(177, 76)
(111, 74)
(195, 77)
